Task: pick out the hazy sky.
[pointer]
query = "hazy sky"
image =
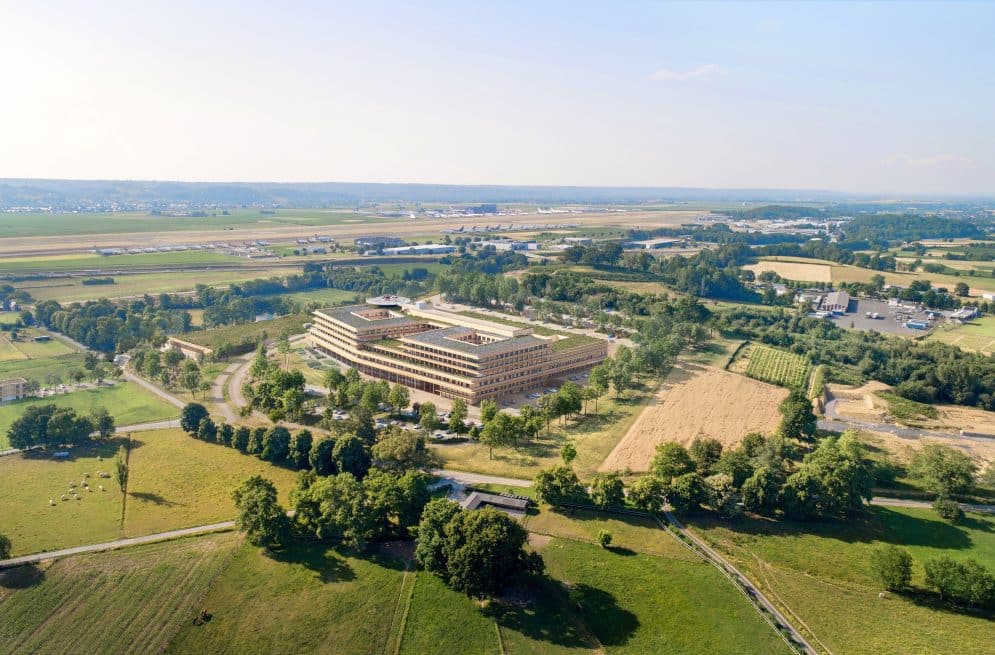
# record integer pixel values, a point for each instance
(862, 97)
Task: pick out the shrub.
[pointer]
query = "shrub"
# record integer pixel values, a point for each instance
(604, 538)
(892, 566)
(948, 509)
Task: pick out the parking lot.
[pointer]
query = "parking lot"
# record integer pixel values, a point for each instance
(892, 319)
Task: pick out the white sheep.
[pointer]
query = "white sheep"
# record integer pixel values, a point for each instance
(86, 475)
(72, 485)
(101, 487)
(77, 497)
(65, 497)
(89, 489)
(51, 502)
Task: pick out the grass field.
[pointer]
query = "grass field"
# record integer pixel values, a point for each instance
(309, 599)
(67, 290)
(777, 367)
(233, 334)
(41, 369)
(977, 336)
(325, 297)
(93, 261)
(635, 603)
(175, 481)
(127, 402)
(820, 570)
(128, 601)
(594, 436)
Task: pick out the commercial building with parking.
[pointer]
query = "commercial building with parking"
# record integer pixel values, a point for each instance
(445, 353)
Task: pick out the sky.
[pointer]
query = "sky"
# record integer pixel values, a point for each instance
(887, 98)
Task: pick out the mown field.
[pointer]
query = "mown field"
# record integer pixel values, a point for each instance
(777, 367)
(127, 601)
(41, 370)
(821, 572)
(977, 336)
(127, 402)
(25, 347)
(175, 481)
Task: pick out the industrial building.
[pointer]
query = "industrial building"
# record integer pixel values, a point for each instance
(448, 354)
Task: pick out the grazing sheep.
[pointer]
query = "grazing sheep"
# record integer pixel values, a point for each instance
(72, 485)
(86, 475)
(101, 487)
(77, 497)
(65, 497)
(89, 489)
(51, 501)
(882, 595)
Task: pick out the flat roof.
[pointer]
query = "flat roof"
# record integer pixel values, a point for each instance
(349, 316)
(388, 301)
(449, 338)
(478, 498)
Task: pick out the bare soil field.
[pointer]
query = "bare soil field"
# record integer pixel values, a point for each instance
(983, 452)
(697, 401)
(795, 270)
(20, 246)
(864, 404)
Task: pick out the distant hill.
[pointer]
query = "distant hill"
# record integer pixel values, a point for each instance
(73, 194)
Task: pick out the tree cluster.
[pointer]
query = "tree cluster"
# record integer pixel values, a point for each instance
(52, 426)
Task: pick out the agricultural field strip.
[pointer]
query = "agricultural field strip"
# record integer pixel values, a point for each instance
(777, 367)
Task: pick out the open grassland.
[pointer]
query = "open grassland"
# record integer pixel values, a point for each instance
(233, 334)
(93, 261)
(976, 336)
(28, 348)
(634, 603)
(821, 571)
(801, 268)
(594, 436)
(31, 480)
(127, 402)
(638, 534)
(695, 401)
(127, 601)
(307, 599)
(324, 297)
(41, 370)
(443, 621)
(67, 290)
(177, 481)
(777, 367)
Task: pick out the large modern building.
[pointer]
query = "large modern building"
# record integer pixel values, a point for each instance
(452, 355)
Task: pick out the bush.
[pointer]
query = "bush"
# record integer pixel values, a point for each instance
(604, 538)
(892, 566)
(948, 509)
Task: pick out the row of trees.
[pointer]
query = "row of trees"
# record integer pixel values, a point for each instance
(964, 582)
(52, 426)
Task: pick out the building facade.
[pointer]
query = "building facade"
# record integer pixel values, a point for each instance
(13, 389)
(447, 354)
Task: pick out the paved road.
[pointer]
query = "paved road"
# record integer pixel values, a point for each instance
(218, 392)
(904, 502)
(838, 423)
(120, 543)
(157, 390)
(744, 582)
(475, 478)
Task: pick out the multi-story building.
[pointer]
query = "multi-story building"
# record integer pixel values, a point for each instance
(13, 389)
(452, 355)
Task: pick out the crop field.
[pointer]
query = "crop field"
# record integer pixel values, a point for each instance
(93, 261)
(175, 481)
(801, 269)
(821, 572)
(777, 367)
(233, 334)
(308, 599)
(127, 402)
(127, 601)
(976, 336)
(697, 401)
